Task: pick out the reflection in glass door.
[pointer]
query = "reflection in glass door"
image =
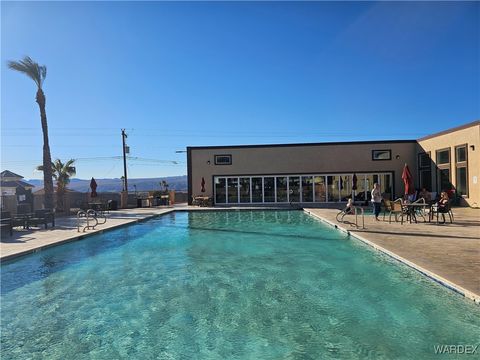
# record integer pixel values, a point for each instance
(320, 189)
(245, 190)
(257, 190)
(220, 190)
(307, 188)
(269, 189)
(282, 189)
(232, 190)
(294, 188)
(345, 187)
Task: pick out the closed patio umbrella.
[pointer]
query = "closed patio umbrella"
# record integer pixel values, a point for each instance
(407, 180)
(93, 187)
(203, 185)
(354, 185)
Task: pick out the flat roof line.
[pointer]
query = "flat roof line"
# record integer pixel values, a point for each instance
(380, 142)
(448, 131)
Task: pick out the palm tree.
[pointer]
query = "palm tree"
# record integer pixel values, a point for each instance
(38, 73)
(61, 173)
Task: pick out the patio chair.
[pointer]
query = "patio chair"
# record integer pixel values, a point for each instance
(42, 217)
(23, 213)
(6, 222)
(447, 209)
(393, 208)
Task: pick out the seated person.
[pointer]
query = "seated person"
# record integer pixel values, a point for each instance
(443, 202)
(426, 195)
(349, 208)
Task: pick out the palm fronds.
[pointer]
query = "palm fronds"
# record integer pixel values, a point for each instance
(36, 72)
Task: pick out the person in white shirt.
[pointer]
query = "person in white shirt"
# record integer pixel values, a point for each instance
(376, 200)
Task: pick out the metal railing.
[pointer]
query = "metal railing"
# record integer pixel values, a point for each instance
(90, 216)
(356, 210)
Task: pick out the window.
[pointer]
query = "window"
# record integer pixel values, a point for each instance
(461, 170)
(443, 172)
(425, 171)
(461, 153)
(424, 160)
(282, 189)
(320, 189)
(223, 159)
(244, 190)
(307, 189)
(294, 188)
(220, 190)
(232, 190)
(443, 157)
(381, 155)
(269, 189)
(257, 189)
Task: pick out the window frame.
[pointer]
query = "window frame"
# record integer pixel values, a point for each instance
(383, 150)
(222, 155)
(462, 164)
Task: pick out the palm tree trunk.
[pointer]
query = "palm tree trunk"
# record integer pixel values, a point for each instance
(47, 159)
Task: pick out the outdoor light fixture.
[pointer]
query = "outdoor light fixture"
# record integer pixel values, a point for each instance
(397, 157)
(208, 162)
(472, 147)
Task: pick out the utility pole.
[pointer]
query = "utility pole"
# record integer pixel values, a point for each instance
(125, 184)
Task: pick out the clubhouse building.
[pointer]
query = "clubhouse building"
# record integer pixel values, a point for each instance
(329, 172)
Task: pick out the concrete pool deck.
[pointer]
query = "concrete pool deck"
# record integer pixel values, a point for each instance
(450, 253)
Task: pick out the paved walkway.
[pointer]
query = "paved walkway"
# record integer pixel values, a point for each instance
(449, 253)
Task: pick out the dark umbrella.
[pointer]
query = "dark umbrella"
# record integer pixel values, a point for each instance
(203, 185)
(407, 180)
(93, 186)
(354, 185)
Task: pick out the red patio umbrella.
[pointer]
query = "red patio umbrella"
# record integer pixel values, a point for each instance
(93, 187)
(407, 180)
(203, 185)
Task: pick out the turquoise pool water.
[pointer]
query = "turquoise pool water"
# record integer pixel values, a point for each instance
(226, 285)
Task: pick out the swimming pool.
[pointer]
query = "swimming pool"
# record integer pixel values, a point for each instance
(222, 285)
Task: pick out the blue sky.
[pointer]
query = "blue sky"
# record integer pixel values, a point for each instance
(178, 74)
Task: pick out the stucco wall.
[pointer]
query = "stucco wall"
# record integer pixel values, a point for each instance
(299, 159)
(469, 135)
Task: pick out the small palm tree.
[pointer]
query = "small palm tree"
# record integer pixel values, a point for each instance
(38, 74)
(164, 185)
(61, 173)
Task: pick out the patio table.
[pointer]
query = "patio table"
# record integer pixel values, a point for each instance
(411, 211)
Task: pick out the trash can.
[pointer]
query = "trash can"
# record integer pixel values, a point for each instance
(112, 205)
(139, 202)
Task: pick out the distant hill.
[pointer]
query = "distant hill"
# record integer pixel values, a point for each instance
(178, 183)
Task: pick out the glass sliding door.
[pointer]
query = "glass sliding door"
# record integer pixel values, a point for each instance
(360, 195)
(320, 189)
(294, 188)
(257, 190)
(269, 189)
(345, 187)
(386, 185)
(282, 189)
(220, 191)
(333, 183)
(370, 179)
(232, 190)
(307, 189)
(244, 189)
